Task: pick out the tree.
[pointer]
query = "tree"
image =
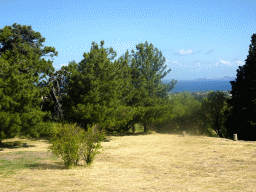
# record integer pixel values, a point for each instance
(54, 98)
(129, 80)
(147, 68)
(212, 112)
(242, 118)
(94, 90)
(135, 89)
(20, 66)
(66, 79)
(186, 112)
(139, 88)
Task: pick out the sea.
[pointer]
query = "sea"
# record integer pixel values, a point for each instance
(197, 86)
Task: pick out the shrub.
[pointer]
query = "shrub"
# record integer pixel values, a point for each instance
(92, 136)
(66, 141)
(71, 142)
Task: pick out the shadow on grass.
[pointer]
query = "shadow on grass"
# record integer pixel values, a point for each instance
(14, 145)
(10, 163)
(50, 166)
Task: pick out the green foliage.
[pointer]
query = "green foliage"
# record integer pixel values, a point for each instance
(20, 66)
(115, 95)
(148, 92)
(46, 128)
(66, 143)
(94, 91)
(213, 107)
(196, 117)
(242, 116)
(91, 148)
(72, 142)
(185, 113)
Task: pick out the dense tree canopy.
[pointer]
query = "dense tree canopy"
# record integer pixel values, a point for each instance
(186, 113)
(94, 90)
(213, 112)
(146, 67)
(115, 94)
(151, 64)
(243, 102)
(20, 65)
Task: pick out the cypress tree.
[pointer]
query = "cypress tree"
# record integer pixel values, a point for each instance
(243, 103)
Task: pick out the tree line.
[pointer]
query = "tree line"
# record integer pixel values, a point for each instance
(115, 94)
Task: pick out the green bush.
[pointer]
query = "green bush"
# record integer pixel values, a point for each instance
(92, 136)
(66, 140)
(46, 128)
(71, 142)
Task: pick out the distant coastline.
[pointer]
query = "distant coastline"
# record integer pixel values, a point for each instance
(225, 78)
(203, 84)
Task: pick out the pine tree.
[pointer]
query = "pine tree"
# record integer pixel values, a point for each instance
(243, 103)
(20, 66)
(146, 70)
(94, 90)
(127, 90)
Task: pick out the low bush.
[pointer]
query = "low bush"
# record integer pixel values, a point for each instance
(72, 142)
(93, 139)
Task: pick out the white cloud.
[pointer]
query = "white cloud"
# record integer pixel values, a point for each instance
(240, 62)
(225, 62)
(185, 52)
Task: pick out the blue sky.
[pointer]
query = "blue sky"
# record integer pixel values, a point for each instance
(202, 38)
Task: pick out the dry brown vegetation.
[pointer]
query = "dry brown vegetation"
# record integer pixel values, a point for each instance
(152, 162)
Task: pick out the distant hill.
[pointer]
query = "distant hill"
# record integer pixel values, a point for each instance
(228, 78)
(225, 78)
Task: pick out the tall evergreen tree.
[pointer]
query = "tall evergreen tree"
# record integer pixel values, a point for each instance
(20, 65)
(242, 119)
(94, 90)
(146, 70)
(127, 88)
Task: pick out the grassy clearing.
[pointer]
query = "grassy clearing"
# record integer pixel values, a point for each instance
(152, 162)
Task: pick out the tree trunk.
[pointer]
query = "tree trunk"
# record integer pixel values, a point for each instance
(145, 128)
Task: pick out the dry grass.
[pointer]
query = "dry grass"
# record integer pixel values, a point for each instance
(155, 162)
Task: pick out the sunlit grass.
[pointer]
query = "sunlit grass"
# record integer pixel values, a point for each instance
(163, 162)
